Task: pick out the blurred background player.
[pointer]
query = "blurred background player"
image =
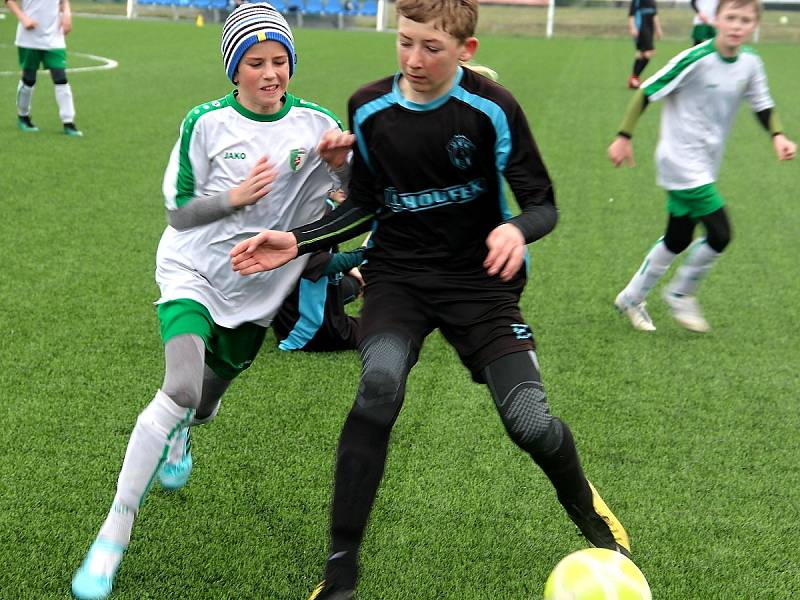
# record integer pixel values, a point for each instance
(644, 26)
(446, 253)
(313, 317)
(219, 192)
(702, 88)
(40, 41)
(703, 21)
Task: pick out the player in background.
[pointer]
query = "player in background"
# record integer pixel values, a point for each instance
(702, 88)
(446, 253)
(221, 189)
(703, 20)
(313, 317)
(644, 26)
(43, 24)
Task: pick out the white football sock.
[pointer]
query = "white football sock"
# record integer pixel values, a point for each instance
(66, 108)
(155, 430)
(696, 266)
(24, 99)
(653, 268)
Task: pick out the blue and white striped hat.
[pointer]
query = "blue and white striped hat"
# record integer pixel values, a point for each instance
(250, 24)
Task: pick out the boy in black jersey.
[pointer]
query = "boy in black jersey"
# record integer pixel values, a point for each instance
(433, 145)
(643, 25)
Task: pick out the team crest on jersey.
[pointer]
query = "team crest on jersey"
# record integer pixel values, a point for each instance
(460, 149)
(297, 158)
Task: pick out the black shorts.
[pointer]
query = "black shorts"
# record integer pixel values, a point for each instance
(477, 314)
(644, 41)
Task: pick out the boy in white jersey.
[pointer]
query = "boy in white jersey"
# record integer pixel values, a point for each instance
(702, 88)
(212, 320)
(40, 41)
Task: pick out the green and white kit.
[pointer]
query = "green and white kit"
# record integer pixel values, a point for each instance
(47, 35)
(219, 144)
(695, 123)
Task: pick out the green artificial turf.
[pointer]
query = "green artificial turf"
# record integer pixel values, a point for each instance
(691, 439)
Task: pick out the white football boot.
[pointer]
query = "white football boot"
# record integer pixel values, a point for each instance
(686, 311)
(636, 313)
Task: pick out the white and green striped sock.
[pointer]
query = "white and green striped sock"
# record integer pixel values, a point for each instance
(694, 269)
(653, 268)
(157, 426)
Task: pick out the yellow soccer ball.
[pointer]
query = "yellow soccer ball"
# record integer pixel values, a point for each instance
(596, 574)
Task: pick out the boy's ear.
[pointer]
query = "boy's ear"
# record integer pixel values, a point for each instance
(470, 47)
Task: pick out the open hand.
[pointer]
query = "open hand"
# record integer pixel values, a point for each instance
(264, 252)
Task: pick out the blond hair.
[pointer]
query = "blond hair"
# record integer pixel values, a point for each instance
(456, 17)
(742, 3)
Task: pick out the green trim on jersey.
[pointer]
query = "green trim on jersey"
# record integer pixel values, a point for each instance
(185, 183)
(691, 57)
(299, 102)
(245, 112)
(694, 202)
(228, 351)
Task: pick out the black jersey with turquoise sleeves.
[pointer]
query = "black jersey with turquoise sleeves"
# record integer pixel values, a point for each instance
(432, 175)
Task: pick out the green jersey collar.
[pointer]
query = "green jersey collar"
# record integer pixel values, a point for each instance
(288, 102)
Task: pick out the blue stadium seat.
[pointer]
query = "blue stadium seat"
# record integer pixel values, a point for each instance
(313, 7)
(368, 8)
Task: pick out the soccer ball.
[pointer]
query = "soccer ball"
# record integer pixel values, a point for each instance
(596, 574)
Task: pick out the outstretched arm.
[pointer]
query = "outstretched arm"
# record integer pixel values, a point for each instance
(271, 249)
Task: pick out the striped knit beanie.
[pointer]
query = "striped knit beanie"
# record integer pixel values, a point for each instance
(250, 24)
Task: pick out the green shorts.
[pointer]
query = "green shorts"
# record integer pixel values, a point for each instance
(701, 33)
(228, 351)
(31, 58)
(694, 202)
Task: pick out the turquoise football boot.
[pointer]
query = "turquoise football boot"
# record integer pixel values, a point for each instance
(87, 585)
(25, 124)
(174, 475)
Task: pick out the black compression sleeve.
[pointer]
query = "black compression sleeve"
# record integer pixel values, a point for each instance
(536, 221)
(769, 120)
(347, 221)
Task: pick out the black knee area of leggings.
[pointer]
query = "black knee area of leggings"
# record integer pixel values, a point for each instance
(718, 230)
(522, 403)
(386, 361)
(29, 78)
(679, 233)
(59, 76)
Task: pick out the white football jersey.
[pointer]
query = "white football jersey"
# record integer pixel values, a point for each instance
(218, 147)
(702, 91)
(47, 35)
(708, 8)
